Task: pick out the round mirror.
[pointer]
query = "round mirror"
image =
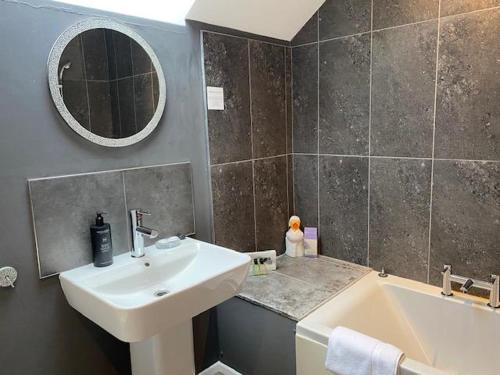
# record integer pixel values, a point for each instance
(106, 82)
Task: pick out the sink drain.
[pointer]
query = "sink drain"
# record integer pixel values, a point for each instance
(160, 293)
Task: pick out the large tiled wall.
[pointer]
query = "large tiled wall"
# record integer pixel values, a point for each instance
(396, 134)
(249, 141)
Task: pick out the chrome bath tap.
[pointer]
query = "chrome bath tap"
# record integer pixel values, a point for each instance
(139, 232)
(493, 286)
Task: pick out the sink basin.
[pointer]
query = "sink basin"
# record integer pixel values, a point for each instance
(136, 299)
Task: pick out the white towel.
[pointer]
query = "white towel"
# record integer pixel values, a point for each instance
(352, 353)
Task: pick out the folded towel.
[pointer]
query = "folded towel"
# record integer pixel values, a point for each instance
(352, 353)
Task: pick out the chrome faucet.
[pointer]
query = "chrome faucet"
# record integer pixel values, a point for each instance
(493, 286)
(139, 232)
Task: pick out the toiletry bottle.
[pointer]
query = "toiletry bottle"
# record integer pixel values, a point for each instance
(311, 242)
(294, 238)
(102, 246)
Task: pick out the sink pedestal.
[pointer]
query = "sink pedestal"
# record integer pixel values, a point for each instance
(168, 353)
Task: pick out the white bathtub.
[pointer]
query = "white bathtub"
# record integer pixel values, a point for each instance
(439, 335)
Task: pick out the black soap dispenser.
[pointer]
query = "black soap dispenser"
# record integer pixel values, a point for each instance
(102, 246)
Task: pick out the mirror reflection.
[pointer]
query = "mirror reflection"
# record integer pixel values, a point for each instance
(108, 83)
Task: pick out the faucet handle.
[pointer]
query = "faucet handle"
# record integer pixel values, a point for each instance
(140, 211)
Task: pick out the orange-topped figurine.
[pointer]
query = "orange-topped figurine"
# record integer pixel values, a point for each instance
(294, 238)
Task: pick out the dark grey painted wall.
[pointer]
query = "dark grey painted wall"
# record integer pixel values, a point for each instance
(40, 333)
(256, 341)
(384, 106)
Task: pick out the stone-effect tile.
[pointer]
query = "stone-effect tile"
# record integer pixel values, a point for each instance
(127, 106)
(465, 219)
(335, 274)
(305, 98)
(468, 110)
(449, 7)
(123, 55)
(399, 216)
(226, 65)
(341, 18)
(344, 95)
(283, 294)
(288, 99)
(141, 63)
(94, 47)
(291, 206)
(73, 53)
(271, 204)
(267, 72)
(75, 99)
(144, 101)
(233, 206)
(308, 33)
(165, 191)
(305, 185)
(387, 13)
(403, 85)
(63, 210)
(343, 193)
(101, 120)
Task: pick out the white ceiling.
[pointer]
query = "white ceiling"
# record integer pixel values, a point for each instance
(280, 19)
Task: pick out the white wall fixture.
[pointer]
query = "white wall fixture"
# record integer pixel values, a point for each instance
(280, 19)
(150, 301)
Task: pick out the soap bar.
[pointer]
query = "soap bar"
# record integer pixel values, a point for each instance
(310, 242)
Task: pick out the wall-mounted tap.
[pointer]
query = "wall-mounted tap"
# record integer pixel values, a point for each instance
(493, 286)
(139, 232)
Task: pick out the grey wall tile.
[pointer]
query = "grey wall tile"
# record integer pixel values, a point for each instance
(101, 119)
(341, 18)
(141, 63)
(387, 13)
(308, 33)
(144, 101)
(399, 216)
(449, 7)
(305, 98)
(271, 203)
(75, 99)
(96, 57)
(343, 193)
(468, 110)
(288, 99)
(226, 65)
(404, 63)
(123, 53)
(291, 205)
(166, 191)
(344, 95)
(305, 185)
(63, 210)
(267, 72)
(73, 53)
(233, 206)
(466, 219)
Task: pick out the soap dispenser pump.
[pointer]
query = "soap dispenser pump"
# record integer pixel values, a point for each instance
(102, 245)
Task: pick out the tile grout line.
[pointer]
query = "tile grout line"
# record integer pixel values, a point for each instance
(369, 139)
(293, 120)
(252, 145)
(396, 26)
(243, 37)
(396, 157)
(433, 142)
(248, 160)
(286, 131)
(317, 124)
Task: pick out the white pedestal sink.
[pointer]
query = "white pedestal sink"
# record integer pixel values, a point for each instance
(149, 301)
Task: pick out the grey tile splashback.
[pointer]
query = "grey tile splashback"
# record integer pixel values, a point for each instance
(63, 209)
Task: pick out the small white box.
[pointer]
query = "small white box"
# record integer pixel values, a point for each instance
(215, 98)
